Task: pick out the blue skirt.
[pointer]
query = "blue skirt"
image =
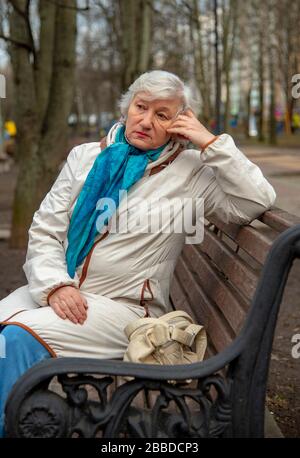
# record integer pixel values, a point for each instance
(19, 351)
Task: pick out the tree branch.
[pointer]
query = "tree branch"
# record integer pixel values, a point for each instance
(188, 7)
(16, 42)
(62, 5)
(18, 9)
(104, 9)
(25, 15)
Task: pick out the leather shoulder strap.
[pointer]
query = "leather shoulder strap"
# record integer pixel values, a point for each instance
(168, 161)
(103, 143)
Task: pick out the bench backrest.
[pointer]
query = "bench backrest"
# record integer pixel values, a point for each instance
(215, 281)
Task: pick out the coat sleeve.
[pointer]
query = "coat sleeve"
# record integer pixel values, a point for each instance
(236, 189)
(45, 266)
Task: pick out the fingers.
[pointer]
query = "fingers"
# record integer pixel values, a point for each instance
(186, 114)
(178, 123)
(71, 305)
(80, 302)
(55, 306)
(84, 302)
(188, 119)
(181, 132)
(177, 130)
(76, 305)
(189, 112)
(79, 308)
(183, 123)
(70, 311)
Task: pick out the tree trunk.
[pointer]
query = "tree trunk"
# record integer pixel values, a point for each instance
(248, 113)
(272, 72)
(229, 36)
(44, 84)
(145, 34)
(261, 90)
(136, 24)
(201, 76)
(217, 72)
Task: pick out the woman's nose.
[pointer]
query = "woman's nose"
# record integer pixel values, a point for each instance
(147, 120)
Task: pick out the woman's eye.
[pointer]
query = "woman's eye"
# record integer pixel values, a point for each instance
(162, 116)
(142, 107)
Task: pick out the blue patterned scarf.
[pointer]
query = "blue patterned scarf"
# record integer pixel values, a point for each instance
(117, 168)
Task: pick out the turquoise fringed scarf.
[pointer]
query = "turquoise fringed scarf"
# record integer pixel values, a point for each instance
(117, 168)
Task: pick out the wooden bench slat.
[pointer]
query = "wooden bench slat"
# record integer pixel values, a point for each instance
(179, 297)
(229, 229)
(278, 219)
(255, 243)
(210, 350)
(233, 307)
(240, 274)
(206, 312)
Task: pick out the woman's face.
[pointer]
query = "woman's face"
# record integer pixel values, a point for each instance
(148, 120)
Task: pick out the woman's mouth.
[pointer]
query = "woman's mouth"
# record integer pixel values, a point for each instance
(142, 134)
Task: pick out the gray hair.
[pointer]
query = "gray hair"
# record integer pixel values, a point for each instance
(160, 85)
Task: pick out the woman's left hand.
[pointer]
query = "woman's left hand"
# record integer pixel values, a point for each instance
(188, 126)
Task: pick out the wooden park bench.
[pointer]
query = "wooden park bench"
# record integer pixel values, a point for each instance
(232, 284)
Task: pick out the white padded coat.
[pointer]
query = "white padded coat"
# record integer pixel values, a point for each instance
(124, 271)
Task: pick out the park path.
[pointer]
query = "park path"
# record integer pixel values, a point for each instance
(282, 168)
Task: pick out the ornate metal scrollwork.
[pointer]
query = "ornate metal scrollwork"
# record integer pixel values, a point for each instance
(43, 414)
(91, 406)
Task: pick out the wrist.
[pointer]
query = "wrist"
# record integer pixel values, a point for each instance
(206, 139)
(56, 289)
(209, 142)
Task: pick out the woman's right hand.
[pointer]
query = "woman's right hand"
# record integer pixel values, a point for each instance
(67, 302)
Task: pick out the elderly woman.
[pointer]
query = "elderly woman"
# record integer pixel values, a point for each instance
(87, 282)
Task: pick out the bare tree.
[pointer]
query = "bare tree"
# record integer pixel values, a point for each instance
(230, 12)
(43, 71)
(288, 45)
(272, 44)
(200, 42)
(136, 26)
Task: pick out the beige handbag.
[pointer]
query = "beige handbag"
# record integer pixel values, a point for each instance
(165, 340)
